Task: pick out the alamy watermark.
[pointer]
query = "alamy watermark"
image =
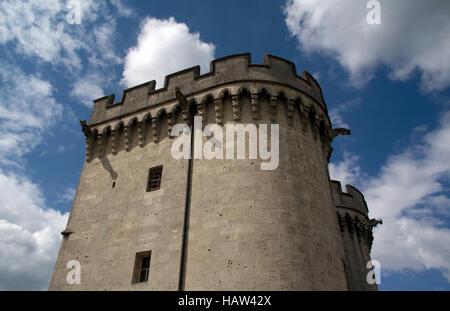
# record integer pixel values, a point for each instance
(73, 277)
(373, 17)
(374, 274)
(75, 13)
(215, 147)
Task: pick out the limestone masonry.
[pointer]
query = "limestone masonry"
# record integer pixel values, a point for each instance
(142, 220)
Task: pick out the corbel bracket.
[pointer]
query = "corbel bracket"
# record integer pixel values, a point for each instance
(339, 131)
(85, 128)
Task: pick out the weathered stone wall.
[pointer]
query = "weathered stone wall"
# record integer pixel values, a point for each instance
(248, 228)
(110, 225)
(266, 230)
(228, 70)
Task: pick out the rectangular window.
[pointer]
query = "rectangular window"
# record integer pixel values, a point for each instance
(141, 267)
(154, 178)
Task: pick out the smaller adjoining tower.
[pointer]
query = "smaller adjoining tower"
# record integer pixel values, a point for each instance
(356, 233)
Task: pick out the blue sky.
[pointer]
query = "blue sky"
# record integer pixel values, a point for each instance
(389, 83)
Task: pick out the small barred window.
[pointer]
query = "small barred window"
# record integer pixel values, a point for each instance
(154, 178)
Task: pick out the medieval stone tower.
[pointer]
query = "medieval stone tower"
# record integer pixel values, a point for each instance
(142, 220)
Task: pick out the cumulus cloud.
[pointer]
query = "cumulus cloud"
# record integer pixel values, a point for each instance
(347, 171)
(164, 47)
(29, 235)
(122, 9)
(409, 195)
(87, 88)
(27, 109)
(43, 30)
(40, 32)
(412, 37)
(40, 29)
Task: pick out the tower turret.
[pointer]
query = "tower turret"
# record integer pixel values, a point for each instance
(356, 232)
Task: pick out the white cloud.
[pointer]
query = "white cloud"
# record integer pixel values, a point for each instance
(37, 30)
(67, 195)
(316, 75)
(40, 29)
(29, 232)
(409, 195)
(413, 35)
(122, 9)
(29, 235)
(27, 108)
(103, 41)
(346, 171)
(164, 47)
(87, 88)
(336, 112)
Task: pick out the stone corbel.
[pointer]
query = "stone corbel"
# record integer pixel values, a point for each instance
(235, 107)
(218, 109)
(140, 132)
(315, 125)
(66, 232)
(255, 107)
(200, 109)
(290, 111)
(201, 112)
(89, 148)
(85, 128)
(155, 130)
(170, 122)
(303, 117)
(126, 133)
(273, 109)
(88, 138)
(114, 139)
(100, 144)
(184, 104)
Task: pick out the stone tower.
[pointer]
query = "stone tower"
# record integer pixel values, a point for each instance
(142, 220)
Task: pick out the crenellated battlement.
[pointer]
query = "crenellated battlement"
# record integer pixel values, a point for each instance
(235, 90)
(352, 213)
(223, 71)
(237, 103)
(352, 199)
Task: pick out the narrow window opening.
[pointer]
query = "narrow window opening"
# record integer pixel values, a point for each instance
(141, 267)
(114, 184)
(145, 267)
(154, 178)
